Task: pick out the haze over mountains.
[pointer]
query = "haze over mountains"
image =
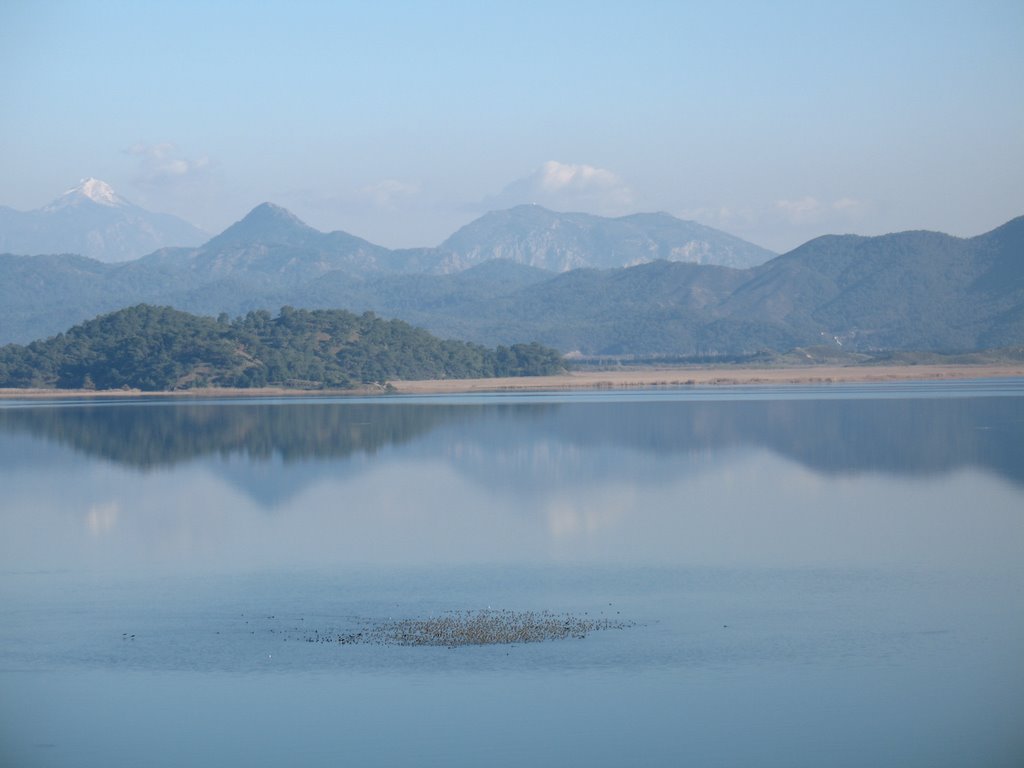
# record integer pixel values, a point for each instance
(559, 242)
(92, 220)
(624, 286)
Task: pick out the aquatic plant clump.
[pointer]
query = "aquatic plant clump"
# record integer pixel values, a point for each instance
(488, 627)
(461, 628)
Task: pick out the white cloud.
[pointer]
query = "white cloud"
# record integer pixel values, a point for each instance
(567, 186)
(785, 223)
(554, 176)
(163, 163)
(386, 193)
(849, 205)
(810, 209)
(719, 216)
(799, 210)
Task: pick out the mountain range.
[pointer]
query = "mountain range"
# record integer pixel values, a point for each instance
(559, 242)
(903, 291)
(93, 220)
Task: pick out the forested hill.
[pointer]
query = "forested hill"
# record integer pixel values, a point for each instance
(159, 348)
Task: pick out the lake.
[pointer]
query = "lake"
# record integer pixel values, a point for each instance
(793, 576)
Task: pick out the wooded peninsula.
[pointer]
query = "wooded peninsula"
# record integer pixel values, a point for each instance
(151, 348)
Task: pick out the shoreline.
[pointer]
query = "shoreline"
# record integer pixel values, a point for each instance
(638, 378)
(697, 376)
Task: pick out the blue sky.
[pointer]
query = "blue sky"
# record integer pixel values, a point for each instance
(399, 122)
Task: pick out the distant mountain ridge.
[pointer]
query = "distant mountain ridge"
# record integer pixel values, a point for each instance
(559, 242)
(527, 234)
(903, 291)
(93, 220)
(908, 290)
(268, 247)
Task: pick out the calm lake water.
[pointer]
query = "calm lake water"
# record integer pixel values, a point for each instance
(799, 576)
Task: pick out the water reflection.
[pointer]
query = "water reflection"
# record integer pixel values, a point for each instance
(148, 435)
(906, 436)
(860, 555)
(629, 480)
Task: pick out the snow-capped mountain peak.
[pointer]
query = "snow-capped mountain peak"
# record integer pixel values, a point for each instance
(91, 189)
(93, 220)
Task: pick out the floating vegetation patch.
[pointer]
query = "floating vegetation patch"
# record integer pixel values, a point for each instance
(485, 627)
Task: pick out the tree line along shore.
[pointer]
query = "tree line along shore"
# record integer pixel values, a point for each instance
(160, 350)
(662, 377)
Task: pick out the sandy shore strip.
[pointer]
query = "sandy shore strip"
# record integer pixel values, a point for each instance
(721, 376)
(626, 378)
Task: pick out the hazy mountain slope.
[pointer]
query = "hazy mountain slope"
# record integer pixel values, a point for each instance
(530, 234)
(998, 291)
(396, 294)
(269, 248)
(42, 295)
(92, 220)
(909, 290)
(656, 308)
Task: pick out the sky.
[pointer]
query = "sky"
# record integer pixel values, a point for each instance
(401, 121)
